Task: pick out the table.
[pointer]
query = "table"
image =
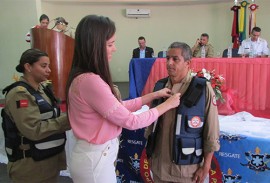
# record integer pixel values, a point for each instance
(244, 154)
(248, 78)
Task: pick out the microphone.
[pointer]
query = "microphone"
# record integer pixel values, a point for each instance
(53, 27)
(51, 21)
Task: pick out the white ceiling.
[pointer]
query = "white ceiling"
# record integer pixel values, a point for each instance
(142, 2)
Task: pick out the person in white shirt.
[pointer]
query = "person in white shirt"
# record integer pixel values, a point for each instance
(254, 43)
(43, 23)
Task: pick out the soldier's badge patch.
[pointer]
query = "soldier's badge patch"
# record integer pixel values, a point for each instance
(22, 103)
(214, 101)
(195, 122)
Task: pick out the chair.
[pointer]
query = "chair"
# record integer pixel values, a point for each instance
(160, 54)
(234, 53)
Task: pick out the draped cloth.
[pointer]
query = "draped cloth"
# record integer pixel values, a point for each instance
(252, 16)
(235, 29)
(242, 21)
(247, 91)
(139, 70)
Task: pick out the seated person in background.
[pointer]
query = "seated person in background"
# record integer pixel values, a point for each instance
(259, 45)
(142, 51)
(43, 23)
(203, 41)
(61, 25)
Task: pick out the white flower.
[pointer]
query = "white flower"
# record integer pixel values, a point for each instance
(204, 70)
(193, 74)
(221, 77)
(207, 76)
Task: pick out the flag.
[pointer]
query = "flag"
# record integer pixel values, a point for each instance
(242, 21)
(235, 30)
(252, 16)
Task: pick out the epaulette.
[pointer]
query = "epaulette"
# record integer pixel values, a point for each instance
(19, 86)
(20, 89)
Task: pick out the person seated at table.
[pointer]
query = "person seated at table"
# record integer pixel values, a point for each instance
(43, 23)
(142, 51)
(255, 43)
(203, 43)
(61, 25)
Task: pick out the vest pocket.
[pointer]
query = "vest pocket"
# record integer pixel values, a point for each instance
(188, 151)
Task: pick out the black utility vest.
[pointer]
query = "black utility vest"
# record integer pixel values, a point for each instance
(188, 133)
(41, 149)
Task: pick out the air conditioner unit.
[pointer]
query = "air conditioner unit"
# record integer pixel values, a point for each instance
(137, 13)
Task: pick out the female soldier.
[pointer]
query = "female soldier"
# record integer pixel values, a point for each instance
(33, 128)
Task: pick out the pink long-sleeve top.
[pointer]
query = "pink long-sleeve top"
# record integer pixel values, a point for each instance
(96, 115)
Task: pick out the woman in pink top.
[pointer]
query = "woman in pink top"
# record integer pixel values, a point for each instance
(96, 114)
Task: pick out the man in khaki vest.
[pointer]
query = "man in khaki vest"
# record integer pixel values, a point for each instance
(163, 168)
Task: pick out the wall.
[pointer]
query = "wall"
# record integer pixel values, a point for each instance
(17, 16)
(167, 24)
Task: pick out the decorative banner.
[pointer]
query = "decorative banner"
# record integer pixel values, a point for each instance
(215, 174)
(132, 143)
(242, 21)
(145, 168)
(235, 32)
(252, 16)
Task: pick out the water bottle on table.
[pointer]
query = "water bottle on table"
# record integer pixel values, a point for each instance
(203, 52)
(229, 53)
(164, 52)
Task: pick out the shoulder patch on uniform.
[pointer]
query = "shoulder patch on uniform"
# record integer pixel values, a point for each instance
(21, 89)
(22, 103)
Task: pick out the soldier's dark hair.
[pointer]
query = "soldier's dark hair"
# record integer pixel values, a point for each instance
(29, 56)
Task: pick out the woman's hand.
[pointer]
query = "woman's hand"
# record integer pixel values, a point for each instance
(165, 93)
(174, 100)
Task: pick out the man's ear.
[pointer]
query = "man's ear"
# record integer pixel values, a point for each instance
(188, 62)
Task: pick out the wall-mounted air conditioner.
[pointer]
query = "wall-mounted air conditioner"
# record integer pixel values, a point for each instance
(137, 13)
